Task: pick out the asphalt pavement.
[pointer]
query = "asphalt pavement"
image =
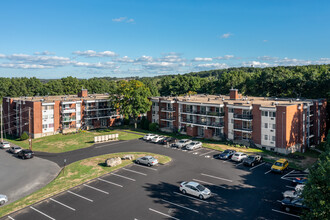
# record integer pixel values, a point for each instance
(139, 192)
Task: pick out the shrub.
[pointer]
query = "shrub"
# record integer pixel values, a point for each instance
(153, 126)
(24, 136)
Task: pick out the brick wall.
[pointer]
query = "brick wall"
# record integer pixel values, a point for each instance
(256, 124)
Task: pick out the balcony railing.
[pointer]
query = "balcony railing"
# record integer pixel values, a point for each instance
(168, 118)
(68, 119)
(243, 128)
(68, 110)
(167, 109)
(97, 108)
(248, 117)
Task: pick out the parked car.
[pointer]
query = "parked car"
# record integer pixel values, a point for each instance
(293, 205)
(252, 160)
(3, 199)
(227, 154)
(168, 140)
(148, 137)
(15, 149)
(238, 156)
(157, 139)
(4, 145)
(195, 189)
(280, 165)
(292, 194)
(182, 143)
(25, 154)
(194, 145)
(147, 160)
(299, 187)
(299, 180)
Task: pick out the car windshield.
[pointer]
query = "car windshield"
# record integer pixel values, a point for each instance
(200, 187)
(226, 152)
(251, 157)
(278, 164)
(237, 155)
(181, 141)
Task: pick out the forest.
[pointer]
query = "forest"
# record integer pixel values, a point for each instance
(311, 81)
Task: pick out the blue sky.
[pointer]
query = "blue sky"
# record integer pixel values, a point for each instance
(54, 39)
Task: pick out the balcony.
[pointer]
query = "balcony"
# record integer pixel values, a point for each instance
(204, 123)
(168, 119)
(97, 108)
(219, 114)
(167, 109)
(244, 117)
(96, 116)
(68, 119)
(244, 129)
(68, 110)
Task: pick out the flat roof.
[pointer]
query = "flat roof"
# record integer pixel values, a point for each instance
(243, 101)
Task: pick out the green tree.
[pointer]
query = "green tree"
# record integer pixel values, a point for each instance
(317, 190)
(131, 98)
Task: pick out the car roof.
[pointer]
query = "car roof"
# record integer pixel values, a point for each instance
(240, 153)
(184, 140)
(193, 183)
(282, 160)
(149, 157)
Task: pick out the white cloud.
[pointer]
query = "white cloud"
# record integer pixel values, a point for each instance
(256, 64)
(44, 53)
(24, 66)
(42, 60)
(99, 65)
(226, 57)
(144, 58)
(2, 56)
(226, 35)
(198, 59)
(267, 58)
(171, 57)
(163, 65)
(123, 19)
(92, 53)
(124, 59)
(205, 66)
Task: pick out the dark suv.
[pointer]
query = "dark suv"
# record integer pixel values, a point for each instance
(168, 141)
(25, 154)
(252, 160)
(293, 205)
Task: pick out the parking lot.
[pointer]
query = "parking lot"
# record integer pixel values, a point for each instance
(140, 192)
(22, 177)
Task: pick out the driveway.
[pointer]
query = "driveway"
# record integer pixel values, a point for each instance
(137, 192)
(19, 178)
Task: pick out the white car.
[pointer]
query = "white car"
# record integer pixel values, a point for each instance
(194, 145)
(181, 143)
(299, 187)
(147, 160)
(157, 139)
(239, 156)
(15, 149)
(148, 137)
(195, 189)
(291, 194)
(4, 145)
(3, 199)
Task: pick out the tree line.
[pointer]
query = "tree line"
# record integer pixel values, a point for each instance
(297, 82)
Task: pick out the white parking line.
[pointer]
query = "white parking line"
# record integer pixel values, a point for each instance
(193, 210)
(225, 161)
(111, 144)
(207, 152)
(11, 218)
(285, 213)
(106, 181)
(297, 174)
(123, 176)
(80, 196)
(163, 214)
(133, 171)
(291, 187)
(100, 190)
(257, 166)
(145, 167)
(287, 174)
(41, 212)
(212, 184)
(62, 204)
(215, 177)
(192, 151)
(190, 197)
(268, 171)
(239, 164)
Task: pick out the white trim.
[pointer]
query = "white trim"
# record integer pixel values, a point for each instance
(68, 102)
(240, 107)
(201, 104)
(166, 101)
(48, 103)
(273, 109)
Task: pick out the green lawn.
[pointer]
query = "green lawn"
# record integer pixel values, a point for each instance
(73, 175)
(62, 143)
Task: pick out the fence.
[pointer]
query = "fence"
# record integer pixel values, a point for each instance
(104, 138)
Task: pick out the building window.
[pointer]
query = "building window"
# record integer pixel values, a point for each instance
(273, 138)
(45, 117)
(232, 121)
(51, 125)
(266, 137)
(44, 126)
(274, 126)
(231, 110)
(273, 114)
(266, 125)
(264, 113)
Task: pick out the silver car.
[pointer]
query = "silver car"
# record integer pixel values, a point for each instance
(3, 199)
(148, 137)
(15, 149)
(194, 145)
(291, 194)
(195, 189)
(4, 145)
(182, 143)
(147, 160)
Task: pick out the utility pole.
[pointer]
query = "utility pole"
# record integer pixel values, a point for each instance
(1, 124)
(30, 138)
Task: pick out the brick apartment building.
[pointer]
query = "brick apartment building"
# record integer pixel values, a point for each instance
(280, 125)
(54, 114)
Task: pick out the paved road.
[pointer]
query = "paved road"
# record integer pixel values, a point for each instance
(138, 192)
(19, 178)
